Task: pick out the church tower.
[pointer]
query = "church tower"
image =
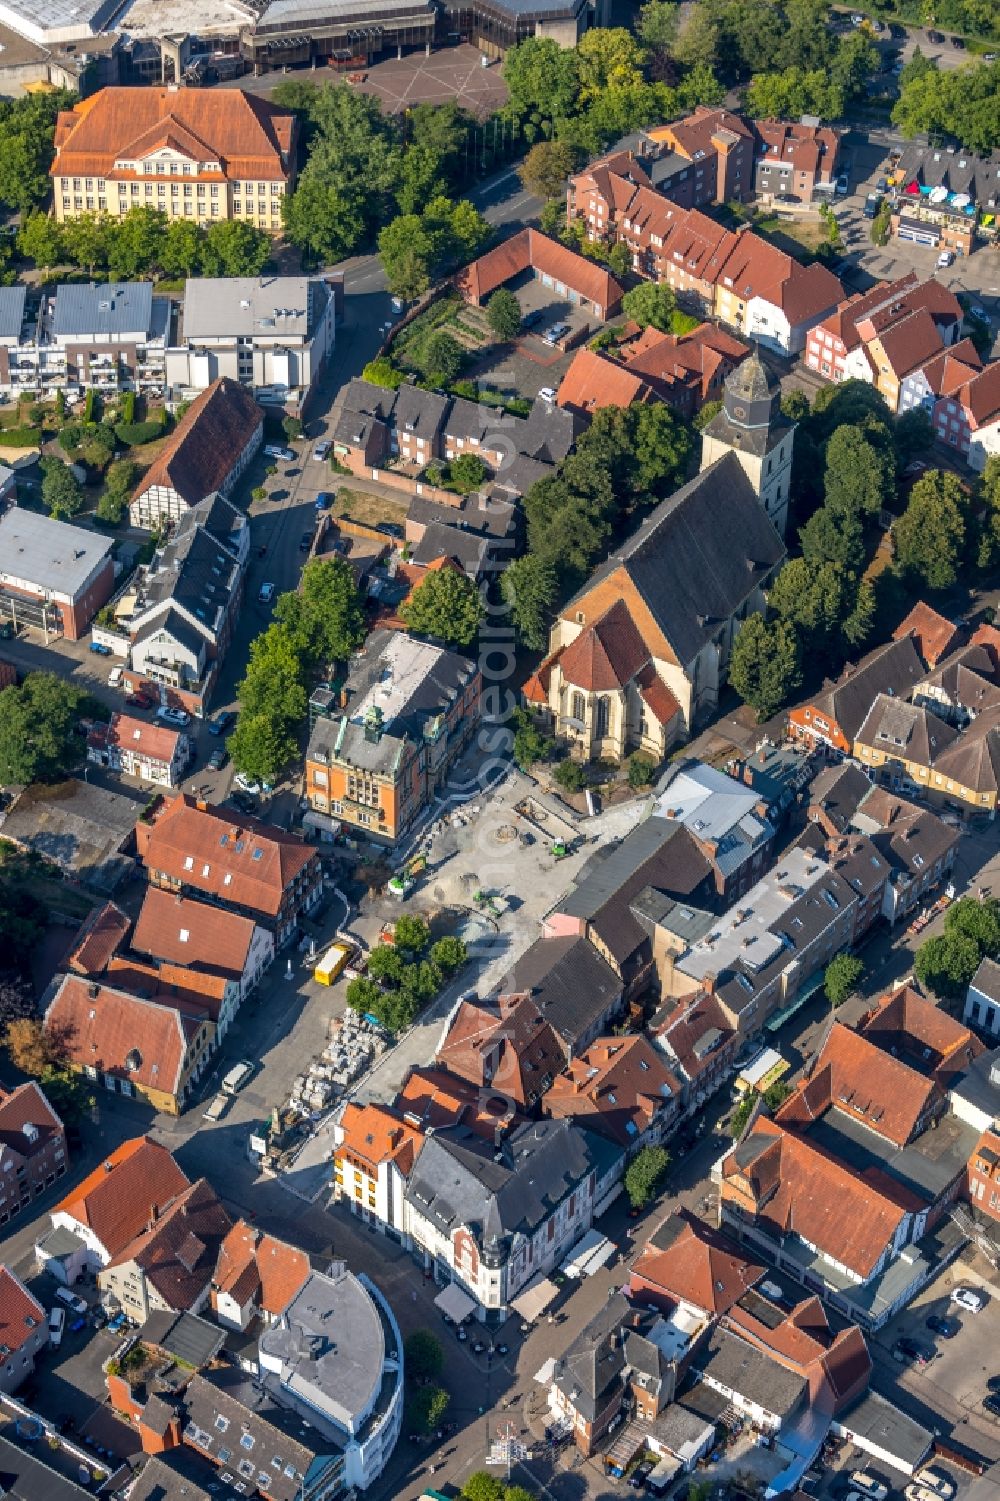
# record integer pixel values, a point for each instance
(752, 425)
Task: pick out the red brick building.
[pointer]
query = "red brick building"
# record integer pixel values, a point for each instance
(52, 573)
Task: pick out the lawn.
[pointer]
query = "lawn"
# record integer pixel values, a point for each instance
(360, 505)
(791, 234)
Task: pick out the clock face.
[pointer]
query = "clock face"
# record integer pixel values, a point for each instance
(739, 411)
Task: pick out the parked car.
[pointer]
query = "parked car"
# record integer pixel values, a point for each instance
(641, 1474)
(882, 185)
(947, 1328)
(937, 1481)
(869, 1485)
(977, 311)
(177, 718)
(305, 541)
(945, 259)
(547, 393)
(460, 1333)
(57, 1324)
(275, 451)
(138, 701)
(390, 528)
(555, 333)
(322, 449)
(842, 185)
(72, 1301)
(222, 723)
(906, 1349)
(919, 1493)
(245, 785)
(100, 648)
(992, 1404)
(969, 1298)
(323, 500)
(244, 803)
(265, 593)
(957, 41)
(532, 319)
(935, 36)
(218, 758)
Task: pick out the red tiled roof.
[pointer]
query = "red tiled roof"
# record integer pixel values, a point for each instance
(687, 1024)
(933, 635)
(695, 131)
(981, 396)
(521, 1048)
(193, 994)
(202, 847)
(247, 135)
(180, 930)
(433, 1097)
(807, 147)
(98, 940)
(911, 1027)
(118, 1198)
(20, 1312)
(252, 1265)
(536, 689)
(692, 360)
(952, 368)
(592, 382)
(657, 696)
(852, 1075)
(615, 1087)
(201, 452)
(606, 655)
(988, 637)
(112, 1029)
(27, 1106)
(178, 1250)
(375, 1134)
(153, 740)
(799, 1190)
(697, 1264)
(908, 342)
(530, 248)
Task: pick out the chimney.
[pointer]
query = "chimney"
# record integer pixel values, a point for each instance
(93, 990)
(708, 982)
(201, 805)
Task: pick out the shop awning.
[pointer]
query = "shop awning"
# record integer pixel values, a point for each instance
(807, 992)
(589, 1253)
(455, 1303)
(544, 1373)
(535, 1298)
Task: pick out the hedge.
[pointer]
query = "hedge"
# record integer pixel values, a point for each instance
(20, 437)
(128, 408)
(134, 433)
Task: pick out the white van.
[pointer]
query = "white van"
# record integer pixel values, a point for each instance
(237, 1076)
(115, 676)
(57, 1323)
(72, 1301)
(217, 1108)
(869, 1486)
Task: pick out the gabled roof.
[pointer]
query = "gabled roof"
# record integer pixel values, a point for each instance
(202, 846)
(593, 381)
(118, 1198)
(893, 669)
(375, 1135)
(569, 983)
(530, 248)
(255, 1267)
(248, 135)
(973, 760)
(928, 1040)
(692, 1031)
(505, 1047)
(616, 1087)
(933, 635)
(99, 938)
(866, 1083)
(905, 731)
(695, 560)
(200, 454)
(27, 1106)
(606, 655)
(144, 737)
(689, 1261)
(981, 396)
(180, 930)
(20, 1314)
(178, 1250)
(125, 1036)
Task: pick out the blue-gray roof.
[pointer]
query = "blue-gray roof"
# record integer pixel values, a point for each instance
(11, 311)
(113, 308)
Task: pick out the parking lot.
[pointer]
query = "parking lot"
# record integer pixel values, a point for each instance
(532, 363)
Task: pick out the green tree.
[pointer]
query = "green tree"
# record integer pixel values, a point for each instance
(530, 744)
(261, 746)
(424, 1357)
(570, 776)
(773, 1096)
(40, 239)
(830, 537)
(181, 248)
(409, 255)
(467, 473)
(234, 248)
(644, 1175)
(62, 492)
(860, 476)
(39, 741)
(363, 996)
(841, 978)
(698, 40)
(530, 587)
(946, 964)
(324, 616)
(641, 771)
(86, 240)
(411, 934)
(323, 219)
(930, 536)
(650, 304)
(503, 314)
(135, 245)
(543, 81)
(661, 448)
(830, 607)
(766, 668)
(657, 26)
(119, 483)
(292, 428)
(989, 534)
(912, 436)
(27, 126)
(619, 257)
(449, 954)
(546, 167)
(482, 1486)
(438, 358)
(446, 604)
(978, 920)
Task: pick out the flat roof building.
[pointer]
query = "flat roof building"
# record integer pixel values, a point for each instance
(52, 573)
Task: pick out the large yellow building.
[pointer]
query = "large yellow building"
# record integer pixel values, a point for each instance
(200, 154)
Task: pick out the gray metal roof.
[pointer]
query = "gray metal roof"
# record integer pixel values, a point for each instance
(331, 1347)
(11, 311)
(185, 1335)
(875, 1418)
(49, 554)
(122, 307)
(269, 306)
